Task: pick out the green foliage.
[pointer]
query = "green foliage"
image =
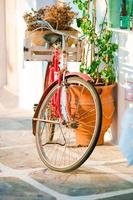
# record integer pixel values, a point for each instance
(101, 67)
(84, 68)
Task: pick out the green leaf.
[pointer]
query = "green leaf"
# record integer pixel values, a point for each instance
(86, 5)
(79, 21)
(80, 6)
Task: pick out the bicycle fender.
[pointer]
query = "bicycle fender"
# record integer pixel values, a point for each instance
(85, 77)
(39, 105)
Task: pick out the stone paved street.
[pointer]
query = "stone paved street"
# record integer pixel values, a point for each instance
(105, 175)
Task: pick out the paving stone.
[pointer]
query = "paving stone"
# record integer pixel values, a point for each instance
(106, 152)
(16, 137)
(121, 197)
(7, 99)
(21, 158)
(123, 168)
(15, 123)
(18, 151)
(81, 182)
(15, 189)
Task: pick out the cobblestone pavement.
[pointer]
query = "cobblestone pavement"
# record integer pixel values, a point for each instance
(105, 175)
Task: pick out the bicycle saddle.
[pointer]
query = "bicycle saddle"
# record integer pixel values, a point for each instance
(53, 38)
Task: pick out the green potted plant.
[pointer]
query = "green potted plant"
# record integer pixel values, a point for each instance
(100, 50)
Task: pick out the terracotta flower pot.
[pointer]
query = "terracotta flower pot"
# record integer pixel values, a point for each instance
(108, 108)
(85, 128)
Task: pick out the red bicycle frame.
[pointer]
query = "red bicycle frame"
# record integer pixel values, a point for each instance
(53, 73)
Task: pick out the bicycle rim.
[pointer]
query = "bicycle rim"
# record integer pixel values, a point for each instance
(57, 142)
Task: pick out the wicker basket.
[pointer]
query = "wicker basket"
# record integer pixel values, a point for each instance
(37, 37)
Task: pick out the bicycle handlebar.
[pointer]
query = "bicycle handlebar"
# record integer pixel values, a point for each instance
(48, 26)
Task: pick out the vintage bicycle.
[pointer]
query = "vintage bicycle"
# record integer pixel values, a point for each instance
(59, 118)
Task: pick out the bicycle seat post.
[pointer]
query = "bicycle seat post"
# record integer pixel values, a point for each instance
(64, 55)
(63, 43)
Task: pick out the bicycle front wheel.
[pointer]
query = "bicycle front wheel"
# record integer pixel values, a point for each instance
(60, 143)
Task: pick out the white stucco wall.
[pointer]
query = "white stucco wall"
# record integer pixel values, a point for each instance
(30, 73)
(11, 46)
(11, 39)
(3, 76)
(14, 11)
(124, 66)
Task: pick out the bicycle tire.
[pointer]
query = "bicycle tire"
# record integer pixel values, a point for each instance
(40, 133)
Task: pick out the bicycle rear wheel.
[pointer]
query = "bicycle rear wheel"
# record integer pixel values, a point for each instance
(62, 152)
